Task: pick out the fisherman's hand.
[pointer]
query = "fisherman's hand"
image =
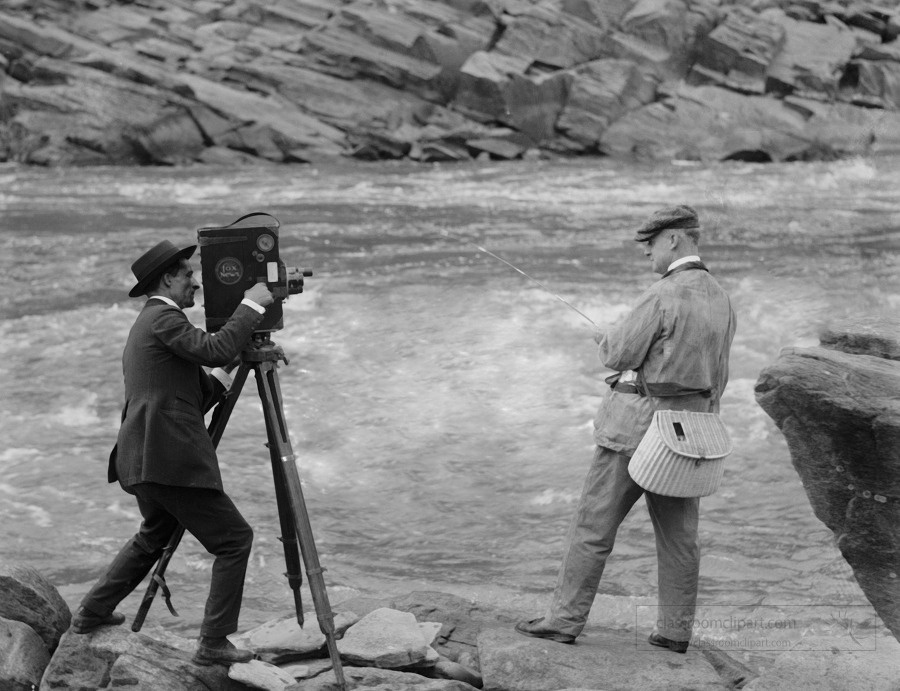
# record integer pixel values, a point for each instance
(260, 294)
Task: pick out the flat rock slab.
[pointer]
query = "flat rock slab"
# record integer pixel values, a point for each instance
(386, 638)
(261, 675)
(283, 640)
(601, 660)
(827, 669)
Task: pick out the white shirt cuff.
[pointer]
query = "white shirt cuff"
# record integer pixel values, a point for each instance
(250, 303)
(222, 376)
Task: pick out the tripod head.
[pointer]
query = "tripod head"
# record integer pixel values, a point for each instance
(263, 349)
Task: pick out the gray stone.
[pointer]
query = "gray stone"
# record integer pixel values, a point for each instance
(385, 638)
(708, 123)
(113, 657)
(879, 337)
(496, 87)
(23, 656)
(672, 28)
(462, 621)
(555, 39)
(374, 679)
(847, 129)
(811, 60)
(344, 53)
(448, 669)
(305, 80)
(738, 52)
(840, 415)
(600, 93)
(600, 660)
(818, 665)
(172, 139)
(873, 83)
(283, 640)
(482, 84)
(26, 596)
(260, 675)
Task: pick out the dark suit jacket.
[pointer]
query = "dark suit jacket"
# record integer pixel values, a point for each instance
(163, 437)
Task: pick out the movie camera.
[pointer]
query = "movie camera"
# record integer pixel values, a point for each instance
(234, 257)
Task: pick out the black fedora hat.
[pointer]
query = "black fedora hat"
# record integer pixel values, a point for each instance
(153, 261)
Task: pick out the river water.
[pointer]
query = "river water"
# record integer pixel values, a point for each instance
(439, 402)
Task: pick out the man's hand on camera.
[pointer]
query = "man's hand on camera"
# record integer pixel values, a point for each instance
(260, 294)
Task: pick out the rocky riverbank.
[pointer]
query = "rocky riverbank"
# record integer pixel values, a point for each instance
(838, 406)
(239, 81)
(422, 640)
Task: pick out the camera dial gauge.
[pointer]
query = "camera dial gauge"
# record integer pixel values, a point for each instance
(265, 242)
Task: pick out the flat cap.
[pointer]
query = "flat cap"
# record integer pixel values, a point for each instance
(671, 217)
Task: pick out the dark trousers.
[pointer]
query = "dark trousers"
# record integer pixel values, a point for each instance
(207, 514)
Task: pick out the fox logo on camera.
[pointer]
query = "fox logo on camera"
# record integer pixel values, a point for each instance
(233, 258)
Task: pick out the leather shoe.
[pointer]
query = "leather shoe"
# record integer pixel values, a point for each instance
(663, 642)
(537, 629)
(85, 621)
(219, 650)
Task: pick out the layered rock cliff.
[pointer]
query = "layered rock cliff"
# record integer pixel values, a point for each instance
(839, 410)
(232, 81)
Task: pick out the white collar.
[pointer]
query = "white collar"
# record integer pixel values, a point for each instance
(168, 301)
(683, 260)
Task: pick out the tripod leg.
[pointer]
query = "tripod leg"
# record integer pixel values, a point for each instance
(282, 455)
(286, 518)
(216, 429)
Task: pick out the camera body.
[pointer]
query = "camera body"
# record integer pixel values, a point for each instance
(235, 257)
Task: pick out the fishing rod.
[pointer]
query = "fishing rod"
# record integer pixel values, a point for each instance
(446, 233)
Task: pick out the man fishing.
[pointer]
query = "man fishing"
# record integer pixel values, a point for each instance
(670, 353)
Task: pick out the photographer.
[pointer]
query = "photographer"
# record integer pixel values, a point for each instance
(164, 455)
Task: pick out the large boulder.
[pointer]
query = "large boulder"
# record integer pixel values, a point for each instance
(664, 33)
(113, 657)
(496, 87)
(23, 656)
(874, 83)
(601, 92)
(708, 123)
(811, 62)
(549, 37)
(26, 596)
(845, 129)
(839, 410)
(738, 52)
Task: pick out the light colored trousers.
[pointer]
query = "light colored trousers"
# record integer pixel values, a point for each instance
(607, 497)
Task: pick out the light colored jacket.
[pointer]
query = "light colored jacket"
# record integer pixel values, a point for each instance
(677, 338)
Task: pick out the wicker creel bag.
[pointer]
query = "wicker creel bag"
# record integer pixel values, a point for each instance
(682, 454)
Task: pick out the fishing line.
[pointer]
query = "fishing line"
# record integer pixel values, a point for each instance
(516, 268)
